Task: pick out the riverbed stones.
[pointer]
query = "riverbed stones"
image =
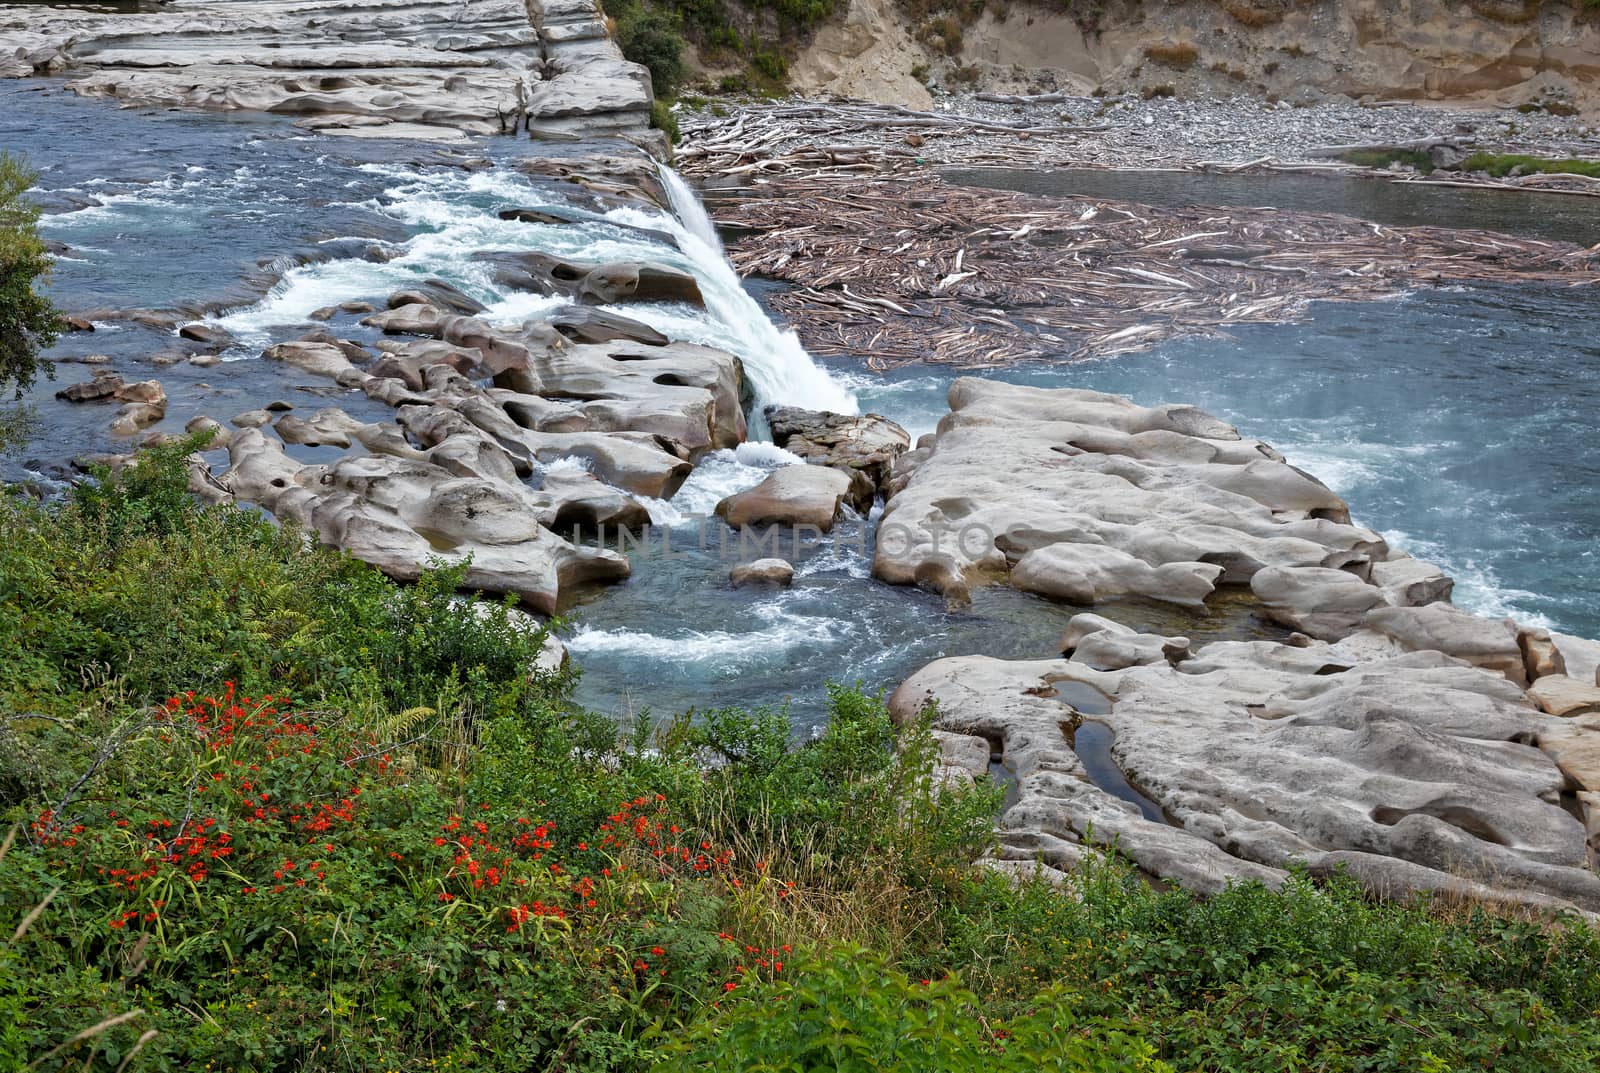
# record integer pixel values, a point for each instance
(778, 573)
(1318, 601)
(862, 446)
(811, 496)
(401, 514)
(608, 283)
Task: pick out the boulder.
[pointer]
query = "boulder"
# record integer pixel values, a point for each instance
(1540, 654)
(209, 334)
(864, 447)
(790, 495)
(777, 572)
(1323, 603)
(1561, 695)
(1487, 643)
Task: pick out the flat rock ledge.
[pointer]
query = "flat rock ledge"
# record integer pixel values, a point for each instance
(1411, 770)
(1409, 742)
(1081, 496)
(419, 68)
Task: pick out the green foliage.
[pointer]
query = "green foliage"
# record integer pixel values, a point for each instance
(27, 319)
(1382, 158)
(653, 37)
(850, 1011)
(131, 582)
(1500, 165)
(662, 119)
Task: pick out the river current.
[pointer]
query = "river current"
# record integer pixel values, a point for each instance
(1459, 422)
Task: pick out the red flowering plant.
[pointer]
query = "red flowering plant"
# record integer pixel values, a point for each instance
(275, 863)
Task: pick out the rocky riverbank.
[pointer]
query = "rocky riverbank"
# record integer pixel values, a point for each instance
(398, 68)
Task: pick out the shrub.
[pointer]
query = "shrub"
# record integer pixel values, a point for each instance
(663, 119)
(1500, 165)
(1181, 55)
(850, 1010)
(28, 321)
(653, 37)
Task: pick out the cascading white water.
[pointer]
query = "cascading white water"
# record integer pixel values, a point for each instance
(777, 365)
(689, 209)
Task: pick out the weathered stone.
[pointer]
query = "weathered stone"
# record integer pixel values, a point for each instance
(1324, 603)
(1561, 695)
(790, 495)
(777, 572)
(1540, 654)
(1441, 628)
(1164, 501)
(864, 447)
(209, 334)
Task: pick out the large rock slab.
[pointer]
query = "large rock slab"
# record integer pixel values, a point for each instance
(863, 446)
(1083, 496)
(1412, 770)
(427, 68)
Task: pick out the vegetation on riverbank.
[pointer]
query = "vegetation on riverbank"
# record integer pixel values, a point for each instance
(1499, 165)
(272, 811)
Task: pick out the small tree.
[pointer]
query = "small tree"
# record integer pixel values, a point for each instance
(28, 320)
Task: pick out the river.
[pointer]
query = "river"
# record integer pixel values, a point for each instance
(1456, 421)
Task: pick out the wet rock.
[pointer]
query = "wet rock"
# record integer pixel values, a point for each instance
(534, 216)
(599, 284)
(864, 447)
(325, 313)
(137, 416)
(205, 361)
(790, 495)
(776, 572)
(209, 334)
(585, 324)
(252, 419)
(78, 324)
(319, 359)
(440, 295)
(357, 307)
(103, 385)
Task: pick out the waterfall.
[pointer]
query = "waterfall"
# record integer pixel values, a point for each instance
(689, 209)
(776, 365)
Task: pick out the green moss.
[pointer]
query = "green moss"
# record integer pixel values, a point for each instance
(1500, 165)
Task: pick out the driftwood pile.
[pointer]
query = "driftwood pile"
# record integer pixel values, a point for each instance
(898, 270)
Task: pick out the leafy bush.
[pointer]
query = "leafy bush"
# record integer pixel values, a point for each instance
(27, 319)
(653, 37)
(851, 1011)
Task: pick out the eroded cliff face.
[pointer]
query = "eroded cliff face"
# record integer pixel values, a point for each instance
(1493, 52)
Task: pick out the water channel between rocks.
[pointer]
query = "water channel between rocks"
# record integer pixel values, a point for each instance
(1456, 421)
